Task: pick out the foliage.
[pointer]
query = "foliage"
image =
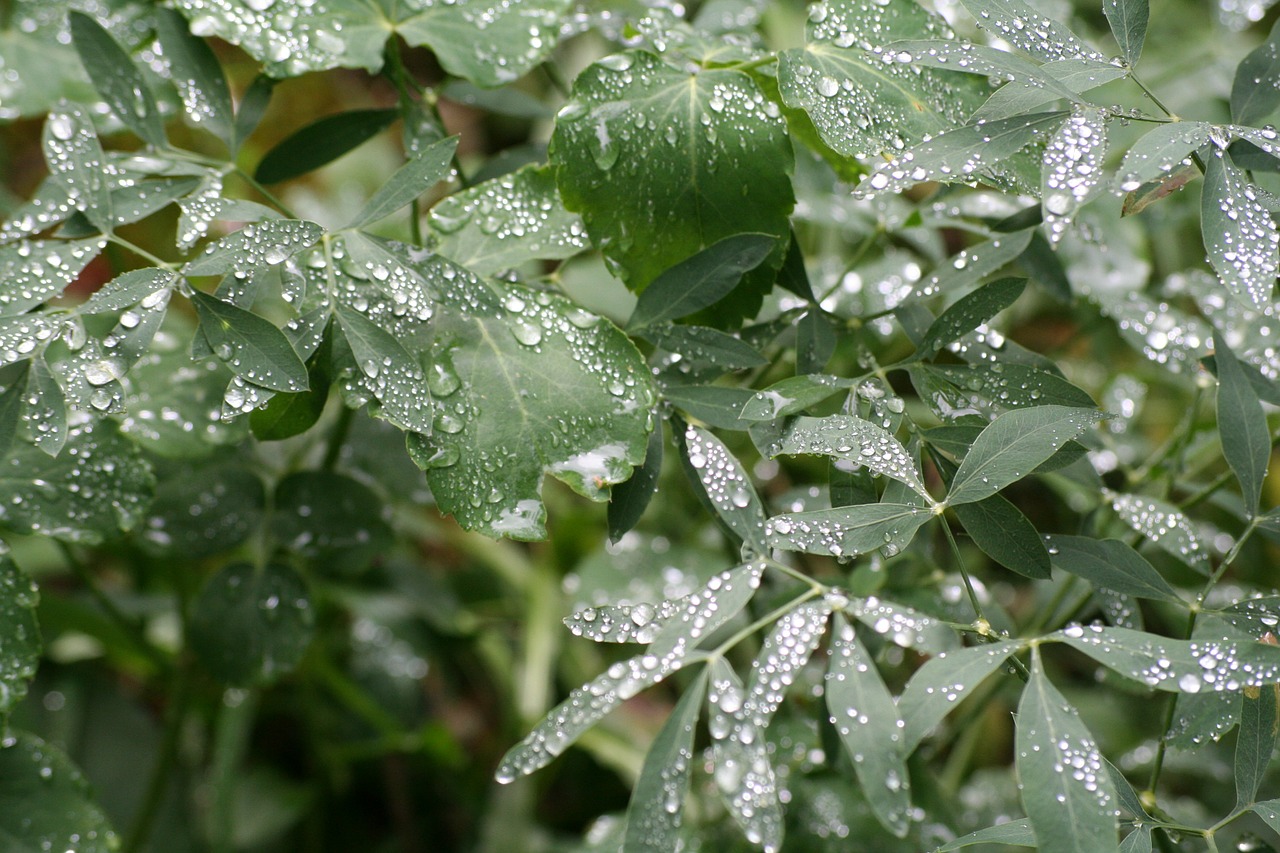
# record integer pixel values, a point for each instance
(933, 414)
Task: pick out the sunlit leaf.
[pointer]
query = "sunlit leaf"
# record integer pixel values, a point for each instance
(260, 244)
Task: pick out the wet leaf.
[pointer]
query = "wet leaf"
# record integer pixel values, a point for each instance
(1242, 425)
(864, 714)
(33, 271)
(330, 519)
(21, 647)
(1028, 30)
(44, 417)
(202, 508)
(386, 372)
(970, 312)
(75, 159)
(251, 625)
(116, 78)
(705, 345)
(1066, 789)
(195, 71)
(743, 773)
(701, 280)
(1128, 20)
(1254, 92)
(656, 810)
(249, 345)
(1005, 535)
(1269, 811)
(854, 440)
(253, 105)
(782, 656)
(1015, 833)
(791, 395)
(45, 802)
(903, 626)
(1239, 233)
(321, 142)
(1259, 722)
(624, 623)
(173, 403)
(718, 406)
(1071, 168)
(260, 244)
(1162, 150)
(423, 171)
(1111, 564)
(709, 149)
(725, 484)
(847, 531)
(939, 685)
(1165, 525)
(1012, 446)
(973, 264)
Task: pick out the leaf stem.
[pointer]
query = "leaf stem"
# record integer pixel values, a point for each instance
(265, 193)
(1152, 95)
(141, 252)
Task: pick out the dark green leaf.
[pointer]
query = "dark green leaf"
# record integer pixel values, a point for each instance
(1259, 725)
(657, 802)
(174, 404)
(1242, 426)
(960, 389)
(116, 78)
(713, 160)
(970, 312)
(1012, 446)
(11, 404)
(45, 802)
(1005, 535)
(20, 642)
(847, 531)
(938, 686)
(974, 264)
(287, 415)
(628, 500)
(705, 345)
(1269, 811)
(816, 341)
(1066, 790)
(715, 405)
(249, 625)
(427, 168)
(321, 142)
(330, 518)
(701, 280)
(1254, 93)
(1267, 389)
(249, 345)
(253, 105)
(1239, 233)
(1128, 20)
(387, 372)
(1111, 564)
(195, 71)
(202, 508)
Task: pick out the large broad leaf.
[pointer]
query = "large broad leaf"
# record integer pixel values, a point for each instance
(866, 719)
(860, 103)
(19, 634)
(1128, 20)
(1239, 233)
(508, 221)
(45, 803)
(1066, 789)
(1242, 425)
(97, 486)
(662, 163)
(657, 803)
(1012, 446)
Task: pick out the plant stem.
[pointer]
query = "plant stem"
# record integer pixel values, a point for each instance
(158, 785)
(141, 252)
(265, 193)
(1152, 95)
(338, 437)
(232, 730)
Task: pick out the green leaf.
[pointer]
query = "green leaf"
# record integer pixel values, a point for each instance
(249, 345)
(489, 43)
(45, 802)
(11, 406)
(861, 104)
(1242, 425)
(1005, 535)
(330, 519)
(1066, 789)
(128, 289)
(1128, 20)
(260, 244)
(970, 312)
(974, 264)
(1165, 525)
(195, 71)
(743, 770)
(903, 626)
(726, 486)
(705, 345)
(321, 142)
(1158, 152)
(715, 405)
(656, 809)
(251, 625)
(1111, 564)
(961, 154)
(202, 508)
(1254, 96)
(791, 395)
(816, 341)
(1012, 446)
(709, 609)
(1015, 833)
(116, 78)
(427, 168)
(847, 531)
(33, 271)
(287, 415)
(1028, 30)
(628, 500)
(44, 417)
(98, 486)
(173, 403)
(867, 720)
(21, 644)
(710, 152)
(782, 656)
(701, 280)
(1259, 725)
(507, 221)
(853, 440)
(1178, 666)
(1269, 811)
(1239, 233)
(1071, 168)
(940, 685)
(75, 159)
(253, 105)
(385, 371)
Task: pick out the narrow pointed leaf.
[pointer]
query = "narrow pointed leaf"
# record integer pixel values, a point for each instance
(1158, 152)
(1015, 833)
(33, 271)
(1005, 535)
(1239, 233)
(847, 531)
(853, 440)
(195, 71)
(718, 406)
(624, 623)
(249, 345)
(1071, 168)
(970, 312)
(705, 345)
(725, 483)
(1165, 525)
(386, 372)
(116, 78)
(1242, 426)
(972, 265)
(45, 414)
(75, 159)
(1128, 20)
(1111, 564)
(628, 500)
(904, 626)
(321, 142)
(1028, 30)
(656, 810)
(938, 686)
(709, 609)
(1012, 446)
(701, 280)
(427, 168)
(791, 395)
(743, 771)
(864, 714)
(956, 389)
(20, 651)
(782, 656)
(253, 106)
(1259, 725)
(1066, 790)
(1269, 811)
(1254, 93)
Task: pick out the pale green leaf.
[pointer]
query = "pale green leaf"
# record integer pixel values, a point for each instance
(46, 803)
(702, 614)
(705, 345)
(852, 439)
(75, 159)
(423, 171)
(1027, 29)
(1242, 426)
(974, 264)
(129, 289)
(1111, 564)
(1012, 445)
(944, 680)
(116, 78)
(1239, 233)
(1066, 789)
(726, 486)
(33, 271)
(904, 626)
(489, 43)
(656, 809)
(744, 772)
(44, 417)
(867, 721)
(1158, 152)
(980, 59)
(624, 623)
(251, 346)
(1128, 20)
(1071, 168)
(1269, 811)
(1165, 525)
(793, 394)
(847, 531)
(260, 244)
(782, 656)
